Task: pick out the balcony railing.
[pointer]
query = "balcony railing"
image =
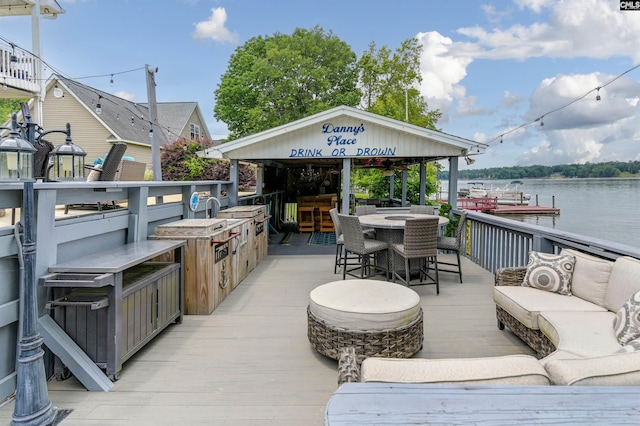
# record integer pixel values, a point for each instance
(494, 242)
(18, 69)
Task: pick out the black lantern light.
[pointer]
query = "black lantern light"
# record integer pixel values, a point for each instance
(68, 159)
(16, 155)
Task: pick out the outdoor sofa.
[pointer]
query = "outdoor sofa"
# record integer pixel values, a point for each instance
(580, 313)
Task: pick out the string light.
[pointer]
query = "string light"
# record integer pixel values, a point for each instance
(598, 97)
(99, 105)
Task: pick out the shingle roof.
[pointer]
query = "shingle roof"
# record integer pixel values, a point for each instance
(118, 114)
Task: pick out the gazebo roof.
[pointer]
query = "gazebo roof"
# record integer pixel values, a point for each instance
(345, 132)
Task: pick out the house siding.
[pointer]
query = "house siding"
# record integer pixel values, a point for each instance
(86, 130)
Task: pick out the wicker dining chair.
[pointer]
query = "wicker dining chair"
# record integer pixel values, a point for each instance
(356, 243)
(419, 243)
(364, 210)
(454, 244)
(420, 209)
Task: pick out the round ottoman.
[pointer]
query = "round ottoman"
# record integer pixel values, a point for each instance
(377, 318)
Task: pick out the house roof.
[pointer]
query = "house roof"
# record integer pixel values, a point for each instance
(346, 132)
(129, 121)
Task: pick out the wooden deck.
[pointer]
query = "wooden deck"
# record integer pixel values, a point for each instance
(250, 361)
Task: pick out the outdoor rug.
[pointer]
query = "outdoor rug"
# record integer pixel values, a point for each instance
(322, 238)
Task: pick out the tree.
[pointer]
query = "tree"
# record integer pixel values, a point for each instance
(389, 84)
(277, 79)
(8, 107)
(388, 81)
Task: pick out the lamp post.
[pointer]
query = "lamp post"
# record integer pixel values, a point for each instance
(32, 406)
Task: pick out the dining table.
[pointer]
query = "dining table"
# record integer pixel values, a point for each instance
(390, 228)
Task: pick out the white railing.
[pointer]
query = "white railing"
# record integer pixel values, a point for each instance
(18, 68)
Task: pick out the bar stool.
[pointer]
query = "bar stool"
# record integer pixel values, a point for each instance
(326, 223)
(306, 221)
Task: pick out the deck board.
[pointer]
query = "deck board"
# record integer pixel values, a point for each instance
(250, 361)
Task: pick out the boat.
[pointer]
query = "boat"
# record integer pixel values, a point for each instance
(508, 195)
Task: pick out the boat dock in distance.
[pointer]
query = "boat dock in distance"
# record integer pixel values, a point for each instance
(507, 200)
(491, 205)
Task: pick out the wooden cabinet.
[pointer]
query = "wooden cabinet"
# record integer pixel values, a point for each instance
(111, 304)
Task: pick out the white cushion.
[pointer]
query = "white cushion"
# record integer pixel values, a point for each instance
(587, 334)
(504, 370)
(559, 355)
(364, 304)
(623, 282)
(590, 276)
(612, 370)
(525, 303)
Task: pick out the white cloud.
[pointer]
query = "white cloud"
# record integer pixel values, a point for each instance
(125, 95)
(468, 107)
(587, 130)
(511, 100)
(214, 28)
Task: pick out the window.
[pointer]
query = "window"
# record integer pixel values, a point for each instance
(194, 132)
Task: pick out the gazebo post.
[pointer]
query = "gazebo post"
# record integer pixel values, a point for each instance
(346, 185)
(423, 182)
(404, 188)
(453, 181)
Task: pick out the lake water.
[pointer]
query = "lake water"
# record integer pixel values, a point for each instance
(608, 209)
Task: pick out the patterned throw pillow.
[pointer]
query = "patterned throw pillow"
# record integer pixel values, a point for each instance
(627, 321)
(550, 272)
(632, 346)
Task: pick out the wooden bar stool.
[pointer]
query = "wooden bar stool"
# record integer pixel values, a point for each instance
(326, 223)
(306, 221)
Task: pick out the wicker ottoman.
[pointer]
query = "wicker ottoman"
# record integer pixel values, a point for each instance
(377, 318)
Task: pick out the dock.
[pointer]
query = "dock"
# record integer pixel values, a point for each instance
(491, 205)
(525, 210)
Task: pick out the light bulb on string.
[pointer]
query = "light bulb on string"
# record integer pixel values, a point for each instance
(111, 81)
(598, 94)
(133, 120)
(99, 105)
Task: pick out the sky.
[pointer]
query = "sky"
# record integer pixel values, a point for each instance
(520, 75)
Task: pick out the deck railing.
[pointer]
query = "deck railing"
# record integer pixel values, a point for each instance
(19, 68)
(494, 242)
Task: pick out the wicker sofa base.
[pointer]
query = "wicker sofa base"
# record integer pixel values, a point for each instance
(534, 338)
(401, 342)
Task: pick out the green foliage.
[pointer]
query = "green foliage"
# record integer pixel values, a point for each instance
(389, 82)
(8, 107)
(277, 79)
(378, 185)
(608, 169)
(180, 162)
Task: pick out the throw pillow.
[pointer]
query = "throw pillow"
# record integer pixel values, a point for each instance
(632, 346)
(627, 321)
(550, 272)
(95, 174)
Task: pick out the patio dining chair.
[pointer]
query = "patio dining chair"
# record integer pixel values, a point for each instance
(366, 209)
(420, 209)
(454, 244)
(419, 243)
(366, 248)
